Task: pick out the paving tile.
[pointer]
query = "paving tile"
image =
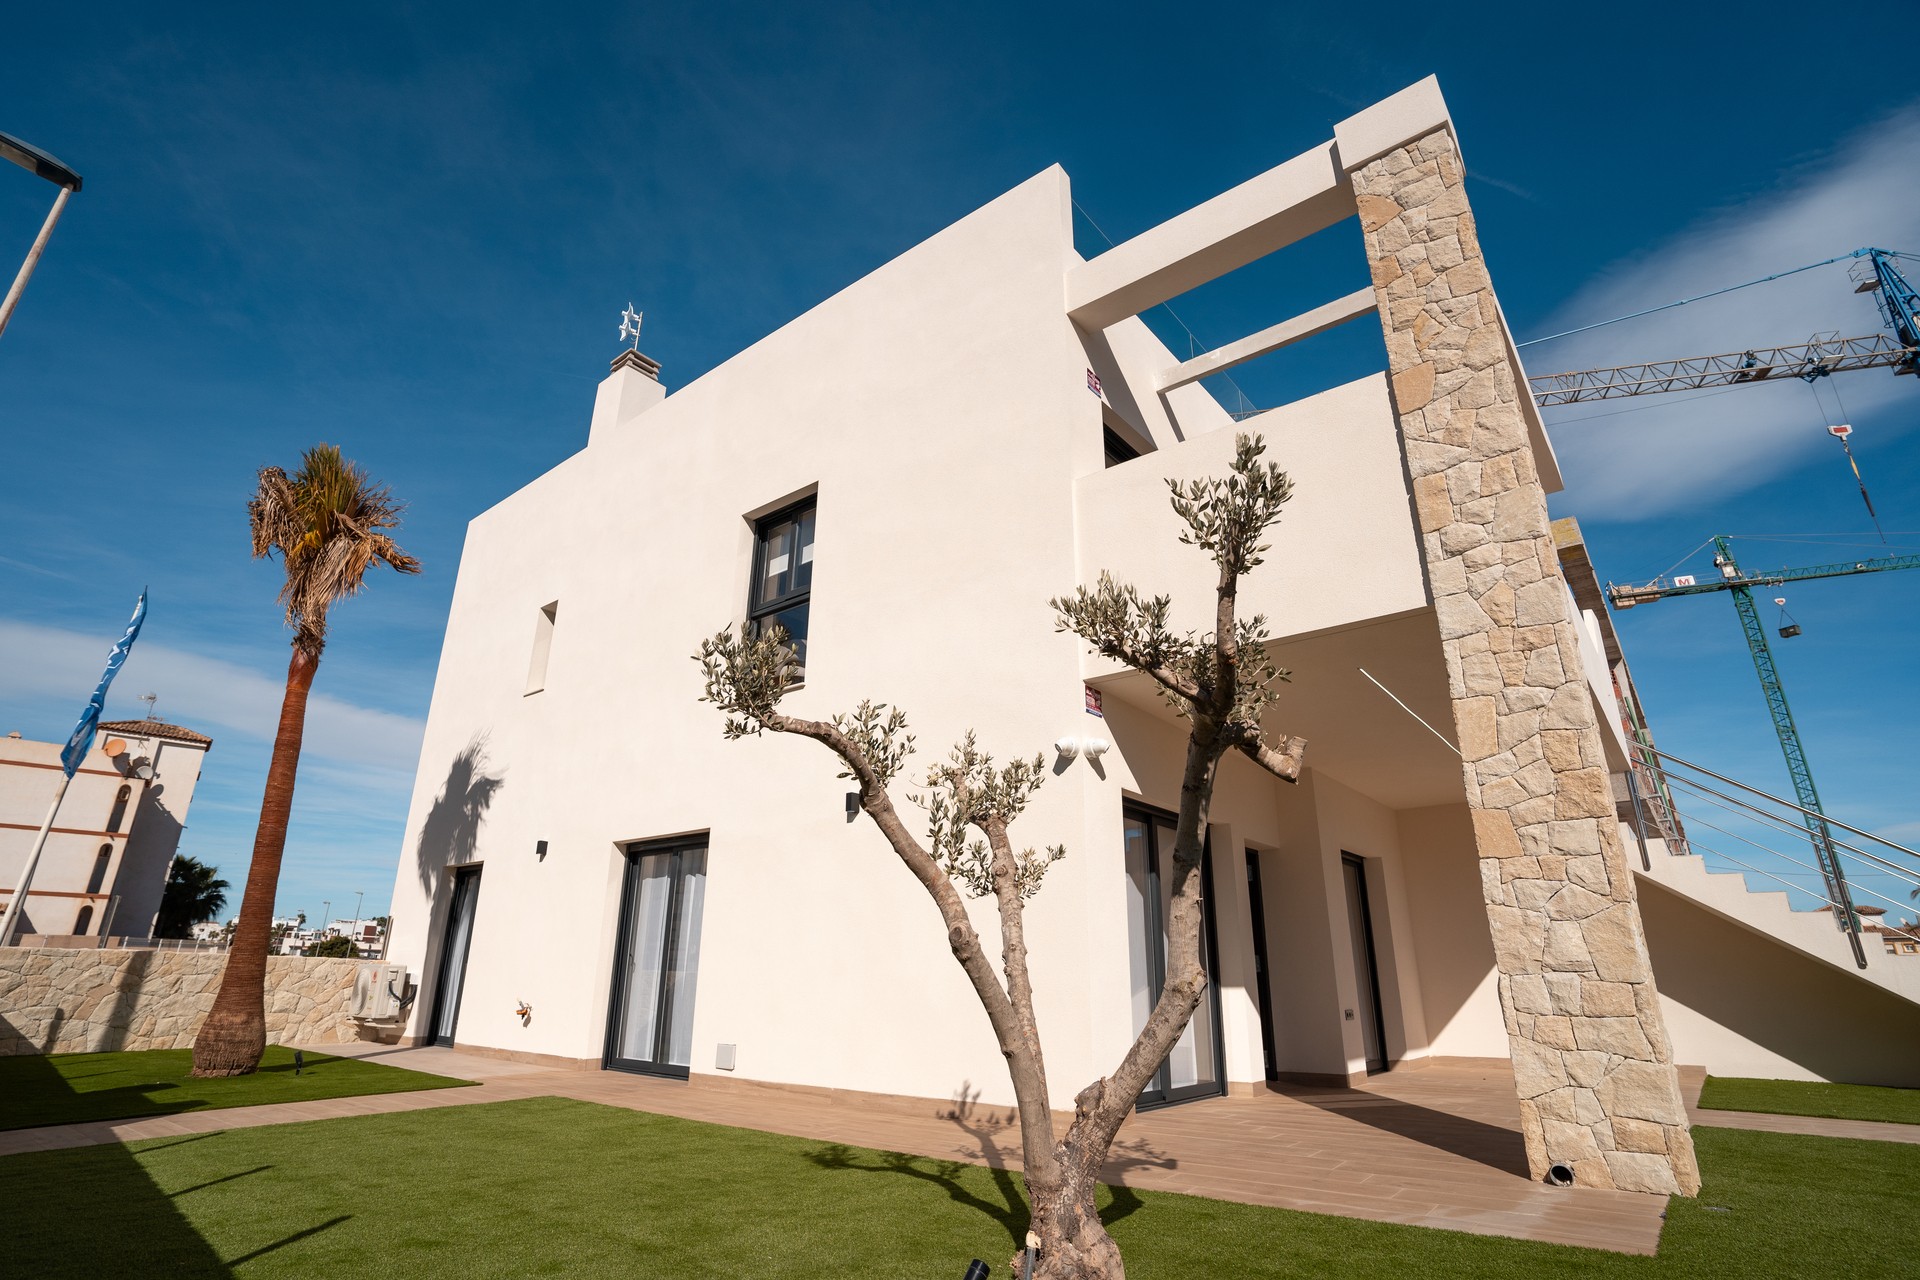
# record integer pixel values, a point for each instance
(1816, 1126)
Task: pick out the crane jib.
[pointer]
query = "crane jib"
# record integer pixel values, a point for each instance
(1626, 596)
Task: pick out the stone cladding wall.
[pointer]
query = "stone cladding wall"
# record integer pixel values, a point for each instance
(60, 1000)
(1591, 1058)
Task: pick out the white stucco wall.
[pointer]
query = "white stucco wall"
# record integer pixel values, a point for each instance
(1457, 980)
(936, 405)
(1345, 548)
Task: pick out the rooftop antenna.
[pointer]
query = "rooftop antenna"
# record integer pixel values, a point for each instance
(630, 325)
(150, 699)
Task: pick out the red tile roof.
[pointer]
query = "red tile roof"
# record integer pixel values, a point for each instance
(155, 729)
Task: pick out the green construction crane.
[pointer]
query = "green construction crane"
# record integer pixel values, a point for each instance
(1740, 585)
(1874, 271)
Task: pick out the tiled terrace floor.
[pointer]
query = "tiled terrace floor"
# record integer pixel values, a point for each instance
(1436, 1147)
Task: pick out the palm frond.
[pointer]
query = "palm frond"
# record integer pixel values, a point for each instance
(326, 523)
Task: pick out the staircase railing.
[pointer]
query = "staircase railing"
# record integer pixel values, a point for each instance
(1763, 822)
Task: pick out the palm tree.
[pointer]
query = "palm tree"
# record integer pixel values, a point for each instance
(194, 895)
(327, 522)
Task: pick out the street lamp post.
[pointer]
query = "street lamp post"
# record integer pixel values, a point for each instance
(36, 161)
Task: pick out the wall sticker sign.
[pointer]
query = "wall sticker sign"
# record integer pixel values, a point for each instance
(1093, 383)
(1093, 703)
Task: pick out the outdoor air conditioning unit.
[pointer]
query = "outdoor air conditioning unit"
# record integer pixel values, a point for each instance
(380, 993)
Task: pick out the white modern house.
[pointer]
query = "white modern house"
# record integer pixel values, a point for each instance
(106, 860)
(903, 477)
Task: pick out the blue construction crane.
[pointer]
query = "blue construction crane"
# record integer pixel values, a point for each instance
(1875, 271)
(1740, 585)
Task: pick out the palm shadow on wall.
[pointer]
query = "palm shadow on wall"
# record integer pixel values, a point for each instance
(451, 830)
(449, 836)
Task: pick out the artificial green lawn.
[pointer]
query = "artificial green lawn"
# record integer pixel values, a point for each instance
(555, 1187)
(1809, 1098)
(66, 1088)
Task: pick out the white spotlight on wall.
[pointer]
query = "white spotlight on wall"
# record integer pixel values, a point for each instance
(1067, 748)
(1095, 747)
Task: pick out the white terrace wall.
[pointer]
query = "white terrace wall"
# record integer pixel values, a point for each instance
(61, 1000)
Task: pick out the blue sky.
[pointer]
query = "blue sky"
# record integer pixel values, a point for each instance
(409, 231)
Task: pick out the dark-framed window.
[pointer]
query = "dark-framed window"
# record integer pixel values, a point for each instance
(1118, 450)
(101, 862)
(783, 573)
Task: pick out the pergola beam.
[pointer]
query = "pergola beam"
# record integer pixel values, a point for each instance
(1286, 203)
(1358, 303)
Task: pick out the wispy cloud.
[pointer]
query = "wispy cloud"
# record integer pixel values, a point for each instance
(1638, 458)
(209, 695)
(34, 568)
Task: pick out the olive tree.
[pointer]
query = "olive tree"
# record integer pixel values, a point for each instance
(1220, 682)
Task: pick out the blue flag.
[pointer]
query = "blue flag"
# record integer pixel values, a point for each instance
(81, 738)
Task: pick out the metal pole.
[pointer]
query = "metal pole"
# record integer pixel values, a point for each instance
(33, 258)
(1639, 820)
(154, 923)
(18, 906)
(1788, 733)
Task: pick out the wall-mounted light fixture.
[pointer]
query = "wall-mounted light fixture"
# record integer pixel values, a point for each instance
(540, 850)
(1072, 748)
(853, 805)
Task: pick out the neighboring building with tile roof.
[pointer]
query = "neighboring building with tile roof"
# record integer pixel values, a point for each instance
(155, 729)
(106, 860)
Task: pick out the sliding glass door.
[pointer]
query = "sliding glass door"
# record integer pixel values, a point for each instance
(454, 946)
(1192, 1070)
(658, 961)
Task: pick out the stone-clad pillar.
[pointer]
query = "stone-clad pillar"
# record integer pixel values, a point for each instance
(1591, 1059)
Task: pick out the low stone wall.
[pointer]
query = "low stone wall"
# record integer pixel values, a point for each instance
(58, 1000)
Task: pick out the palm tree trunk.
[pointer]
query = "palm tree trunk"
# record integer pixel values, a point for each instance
(234, 1035)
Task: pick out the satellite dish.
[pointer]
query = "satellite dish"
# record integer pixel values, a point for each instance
(143, 770)
(114, 746)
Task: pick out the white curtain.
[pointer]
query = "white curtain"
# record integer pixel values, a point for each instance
(645, 944)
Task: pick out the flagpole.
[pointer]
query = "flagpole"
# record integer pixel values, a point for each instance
(79, 742)
(17, 906)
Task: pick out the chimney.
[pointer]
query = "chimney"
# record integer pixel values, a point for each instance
(630, 389)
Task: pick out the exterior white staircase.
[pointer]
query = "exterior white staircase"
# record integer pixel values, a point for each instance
(1769, 913)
